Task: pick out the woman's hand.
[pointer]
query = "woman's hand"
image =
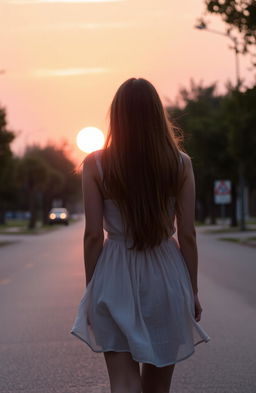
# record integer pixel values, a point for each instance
(198, 308)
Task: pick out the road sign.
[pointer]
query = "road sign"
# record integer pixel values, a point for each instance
(222, 191)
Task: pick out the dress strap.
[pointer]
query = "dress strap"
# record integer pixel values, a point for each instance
(98, 163)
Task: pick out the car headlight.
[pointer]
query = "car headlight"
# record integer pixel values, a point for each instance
(63, 216)
(52, 216)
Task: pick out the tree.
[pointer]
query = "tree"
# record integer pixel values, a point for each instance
(220, 136)
(206, 140)
(7, 165)
(33, 173)
(239, 118)
(240, 19)
(53, 186)
(62, 182)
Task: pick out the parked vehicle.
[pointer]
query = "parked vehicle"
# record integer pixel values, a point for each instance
(58, 215)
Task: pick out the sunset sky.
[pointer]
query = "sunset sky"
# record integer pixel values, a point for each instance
(63, 60)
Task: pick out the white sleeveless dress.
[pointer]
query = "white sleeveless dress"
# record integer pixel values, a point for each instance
(139, 301)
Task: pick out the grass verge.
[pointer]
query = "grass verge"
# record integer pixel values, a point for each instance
(228, 230)
(248, 241)
(20, 227)
(6, 243)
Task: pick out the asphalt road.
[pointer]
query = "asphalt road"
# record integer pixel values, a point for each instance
(42, 281)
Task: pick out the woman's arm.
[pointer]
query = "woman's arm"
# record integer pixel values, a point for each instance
(185, 213)
(93, 208)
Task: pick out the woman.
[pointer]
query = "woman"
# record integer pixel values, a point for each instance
(141, 302)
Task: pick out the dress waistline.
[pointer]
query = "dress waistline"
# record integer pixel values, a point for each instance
(128, 241)
(118, 237)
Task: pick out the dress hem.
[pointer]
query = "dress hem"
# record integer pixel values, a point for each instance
(137, 360)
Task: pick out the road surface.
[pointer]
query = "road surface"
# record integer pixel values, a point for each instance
(42, 282)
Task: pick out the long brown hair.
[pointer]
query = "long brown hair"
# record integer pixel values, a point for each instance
(141, 162)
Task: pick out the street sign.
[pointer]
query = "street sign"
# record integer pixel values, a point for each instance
(222, 191)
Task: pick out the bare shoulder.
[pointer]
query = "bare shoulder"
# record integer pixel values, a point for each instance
(185, 159)
(89, 163)
(89, 160)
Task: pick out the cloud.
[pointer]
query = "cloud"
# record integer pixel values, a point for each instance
(74, 26)
(45, 73)
(61, 1)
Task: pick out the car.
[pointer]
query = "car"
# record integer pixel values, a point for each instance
(58, 215)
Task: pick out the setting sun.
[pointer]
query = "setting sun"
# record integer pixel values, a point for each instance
(90, 139)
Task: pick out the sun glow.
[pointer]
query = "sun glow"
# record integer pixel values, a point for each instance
(90, 139)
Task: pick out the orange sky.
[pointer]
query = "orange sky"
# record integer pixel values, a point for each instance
(64, 59)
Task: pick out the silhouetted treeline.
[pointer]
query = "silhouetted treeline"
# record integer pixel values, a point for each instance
(7, 167)
(32, 182)
(220, 135)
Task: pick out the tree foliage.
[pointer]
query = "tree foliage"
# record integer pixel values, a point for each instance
(204, 140)
(239, 118)
(219, 134)
(48, 174)
(240, 18)
(7, 165)
(33, 181)
(32, 172)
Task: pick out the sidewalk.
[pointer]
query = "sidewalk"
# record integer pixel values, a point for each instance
(226, 233)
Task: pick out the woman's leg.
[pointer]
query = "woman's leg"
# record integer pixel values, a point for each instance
(156, 379)
(124, 372)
